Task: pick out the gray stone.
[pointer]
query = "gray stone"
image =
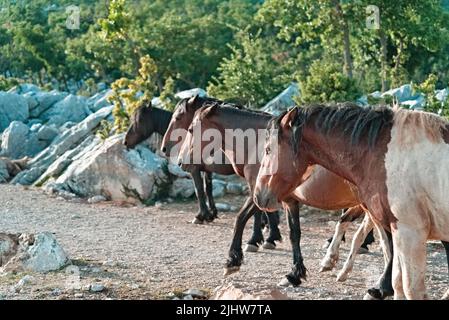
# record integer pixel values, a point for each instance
(45, 101)
(417, 103)
(218, 188)
(190, 93)
(235, 188)
(283, 101)
(96, 199)
(19, 141)
(71, 108)
(99, 100)
(403, 93)
(96, 287)
(182, 187)
(31, 252)
(196, 293)
(47, 133)
(223, 207)
(12, 107)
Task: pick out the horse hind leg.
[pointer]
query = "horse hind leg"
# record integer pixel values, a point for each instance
(203, 214)
(209, 193)
(257, 236)
(357, 241)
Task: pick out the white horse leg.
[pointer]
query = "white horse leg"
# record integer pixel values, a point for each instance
(384, 243)
(330, 259)
(357, 241)
(410, 249)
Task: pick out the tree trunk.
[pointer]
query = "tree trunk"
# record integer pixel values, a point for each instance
(346, 40)
(383, 59)
(398, 59)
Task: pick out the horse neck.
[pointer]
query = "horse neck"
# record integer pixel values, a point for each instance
(243, 120)
(162, 120)
(335, 152)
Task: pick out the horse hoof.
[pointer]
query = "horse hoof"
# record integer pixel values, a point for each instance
(269, 245)
(342, 277)
(284, 283)
(326, 268)
(251, 248)
(362, 250)
(367, 296)
(197, 221)
(230, 270)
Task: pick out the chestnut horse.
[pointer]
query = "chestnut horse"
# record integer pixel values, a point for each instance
(180, 121)
(398, 159)
(321, 189)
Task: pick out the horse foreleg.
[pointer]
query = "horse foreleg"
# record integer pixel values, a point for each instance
(203, 213)
(275, 234)
(235, 252)
(331, 258)
(357, 241)
(209, 193)
(299, 270)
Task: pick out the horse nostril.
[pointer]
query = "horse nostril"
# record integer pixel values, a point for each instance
(164, 149)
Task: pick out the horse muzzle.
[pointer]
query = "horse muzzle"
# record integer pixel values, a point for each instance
(265, 200)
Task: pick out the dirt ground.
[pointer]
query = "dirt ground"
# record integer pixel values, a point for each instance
(152, 252)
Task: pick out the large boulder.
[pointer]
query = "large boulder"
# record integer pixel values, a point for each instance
(403, 93)
(68, 140)
(190, 93)
(283, 101)
(25, 88)
(12, 107)
(182, 188)
(71, 108)
(19, 141)
(31, 252)
(45, 100)
(109, 169)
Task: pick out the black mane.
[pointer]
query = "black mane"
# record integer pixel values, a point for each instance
(208, 101)
(356, 122)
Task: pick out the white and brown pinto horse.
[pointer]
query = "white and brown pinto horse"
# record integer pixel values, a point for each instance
(398, 159)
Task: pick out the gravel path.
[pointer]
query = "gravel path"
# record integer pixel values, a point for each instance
(150, 252)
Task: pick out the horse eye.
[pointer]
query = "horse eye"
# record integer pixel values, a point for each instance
(190, 130)
(267, 150)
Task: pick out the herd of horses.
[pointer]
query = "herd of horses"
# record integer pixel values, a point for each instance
(387, 164)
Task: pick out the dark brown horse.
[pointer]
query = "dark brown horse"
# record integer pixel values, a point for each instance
(147, 120)
(398, 159)
(180, 121)
(321, 188)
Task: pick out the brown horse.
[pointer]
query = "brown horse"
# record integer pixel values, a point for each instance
(398, 159)
(180, 121)
(321, 188)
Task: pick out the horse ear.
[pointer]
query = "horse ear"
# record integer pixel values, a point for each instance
(208, 111)
(289, 117)
(192, 100)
